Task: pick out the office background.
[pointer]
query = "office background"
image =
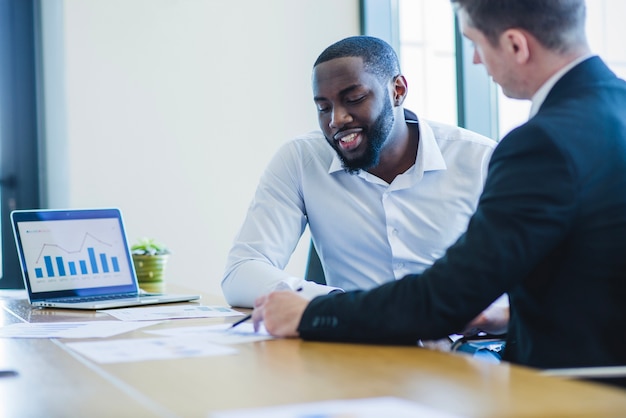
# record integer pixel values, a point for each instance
(171, 109)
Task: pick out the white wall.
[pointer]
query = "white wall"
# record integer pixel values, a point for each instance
(170, 110)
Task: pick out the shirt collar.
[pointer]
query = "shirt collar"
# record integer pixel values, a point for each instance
(335, 164)
(429, 157)
(540, 95)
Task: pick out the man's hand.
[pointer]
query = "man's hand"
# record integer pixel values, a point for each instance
(494, 320)
(280, 312)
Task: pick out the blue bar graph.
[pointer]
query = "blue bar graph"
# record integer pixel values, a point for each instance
(60, 267)
(116, 265)
(105, 264)
(92, 260)
(49, 269)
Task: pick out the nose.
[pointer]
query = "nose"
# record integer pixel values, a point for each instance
(339, 117)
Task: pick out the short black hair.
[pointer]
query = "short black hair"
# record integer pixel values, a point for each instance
(559, 25)
(378, 56)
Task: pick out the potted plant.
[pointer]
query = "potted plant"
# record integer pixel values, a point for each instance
(150, 259)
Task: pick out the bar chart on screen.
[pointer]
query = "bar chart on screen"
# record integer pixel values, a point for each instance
(85, 260)
(92, 252)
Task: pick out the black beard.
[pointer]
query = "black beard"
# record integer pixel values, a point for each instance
(377, 135)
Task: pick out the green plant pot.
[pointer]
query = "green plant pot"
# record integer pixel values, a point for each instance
(150, 268)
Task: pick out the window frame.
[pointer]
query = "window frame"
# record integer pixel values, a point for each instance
(19, 124)
(477, 98)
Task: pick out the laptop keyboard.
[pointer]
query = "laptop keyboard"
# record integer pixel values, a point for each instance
(97, 298)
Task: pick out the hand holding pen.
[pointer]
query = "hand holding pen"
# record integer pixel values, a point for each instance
(258, 304)
(280, 313)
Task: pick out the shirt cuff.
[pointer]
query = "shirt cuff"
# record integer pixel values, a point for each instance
(308, 290)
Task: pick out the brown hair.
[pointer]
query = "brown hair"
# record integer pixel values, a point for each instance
(558, 25)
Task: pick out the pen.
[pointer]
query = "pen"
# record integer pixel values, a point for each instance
(8, 373)
(241, 321)
(249, 316)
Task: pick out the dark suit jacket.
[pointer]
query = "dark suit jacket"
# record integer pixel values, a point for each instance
(550, 229)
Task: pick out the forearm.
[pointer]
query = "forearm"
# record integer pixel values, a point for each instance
(250, 279)
(253, 278)
(359, 316)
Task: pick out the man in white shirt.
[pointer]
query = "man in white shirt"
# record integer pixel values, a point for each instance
(384, 200)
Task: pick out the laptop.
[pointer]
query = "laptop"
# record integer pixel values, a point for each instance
(79, 259)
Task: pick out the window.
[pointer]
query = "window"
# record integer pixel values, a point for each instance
(427, 58)
(19, 187)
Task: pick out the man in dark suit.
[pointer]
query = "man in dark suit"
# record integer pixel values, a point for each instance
(550, 227)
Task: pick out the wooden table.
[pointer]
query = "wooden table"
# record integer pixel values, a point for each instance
(54, 381)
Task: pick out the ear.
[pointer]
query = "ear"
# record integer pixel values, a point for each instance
(516, 43)
(399, 90)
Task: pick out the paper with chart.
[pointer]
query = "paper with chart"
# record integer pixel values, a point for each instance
(155, 313)
(222, 333)
(144, 349)
(90, 329)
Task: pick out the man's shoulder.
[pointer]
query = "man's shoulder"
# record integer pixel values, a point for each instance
(450, 135)
(447, 132)
(311, 146)
(309, 139)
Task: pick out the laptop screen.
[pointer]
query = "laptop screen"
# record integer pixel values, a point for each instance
(79, 252)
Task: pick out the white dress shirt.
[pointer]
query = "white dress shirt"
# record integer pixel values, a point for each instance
(365, 230)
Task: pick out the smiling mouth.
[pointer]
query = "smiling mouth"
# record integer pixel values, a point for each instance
(348, 142)
(348, 138)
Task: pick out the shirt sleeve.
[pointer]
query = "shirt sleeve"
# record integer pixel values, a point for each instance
(272, 228)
